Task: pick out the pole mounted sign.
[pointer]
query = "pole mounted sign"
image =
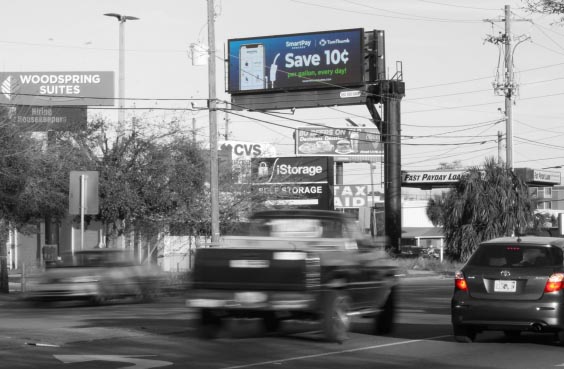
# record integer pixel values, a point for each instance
(345, 144)
(50, 118)
(83, 192)
(294, 181)
(57, 88)
(296, 61)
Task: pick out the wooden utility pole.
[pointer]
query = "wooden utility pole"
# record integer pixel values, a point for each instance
(507, 87)
(499, 147)
(212, 102)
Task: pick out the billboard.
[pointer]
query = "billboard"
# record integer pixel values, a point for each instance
(296, 61)
(343, 143)
(57, 88)
(50, 118)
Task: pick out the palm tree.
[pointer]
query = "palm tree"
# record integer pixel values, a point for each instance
(488, 202)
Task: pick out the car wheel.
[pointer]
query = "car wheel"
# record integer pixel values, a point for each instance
(384, 321)
(464, 334)
(336, 321)
(209, 324)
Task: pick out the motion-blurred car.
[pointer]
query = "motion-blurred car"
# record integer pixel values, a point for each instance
(96, 275)
(512, 284)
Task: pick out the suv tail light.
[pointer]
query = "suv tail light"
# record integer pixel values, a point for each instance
(555, 282)
(460, 281)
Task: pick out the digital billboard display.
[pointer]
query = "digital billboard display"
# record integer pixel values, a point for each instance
(296, 61)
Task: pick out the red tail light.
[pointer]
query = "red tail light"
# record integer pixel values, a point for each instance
(460, 282)
(554, 283)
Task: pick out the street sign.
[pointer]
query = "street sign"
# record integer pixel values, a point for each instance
(91, 202)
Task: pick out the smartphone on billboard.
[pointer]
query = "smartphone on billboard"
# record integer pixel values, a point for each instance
(251, 67)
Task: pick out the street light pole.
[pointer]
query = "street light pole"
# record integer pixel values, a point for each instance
(121, 72)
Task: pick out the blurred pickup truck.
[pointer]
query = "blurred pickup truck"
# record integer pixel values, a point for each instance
(295, 265)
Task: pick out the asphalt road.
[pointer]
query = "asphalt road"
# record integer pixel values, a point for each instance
(161, 334)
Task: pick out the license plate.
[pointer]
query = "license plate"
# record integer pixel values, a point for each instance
(505, 286)
(250, 297)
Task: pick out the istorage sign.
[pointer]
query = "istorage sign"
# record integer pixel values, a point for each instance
(57, 88)
(294, 181)
(292, 170)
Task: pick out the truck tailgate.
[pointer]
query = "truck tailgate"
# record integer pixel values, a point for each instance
(254, 269)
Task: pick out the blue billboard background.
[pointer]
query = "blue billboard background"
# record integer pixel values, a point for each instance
(300, 61)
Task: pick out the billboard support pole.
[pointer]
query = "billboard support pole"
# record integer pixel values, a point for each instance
(390, 93)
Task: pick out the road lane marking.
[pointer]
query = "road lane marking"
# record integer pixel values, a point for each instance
(335, 352)
(130, 359)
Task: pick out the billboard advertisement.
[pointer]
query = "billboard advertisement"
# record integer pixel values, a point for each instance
(342, 142)
(50, 118)
(295, 61)
(57, 88)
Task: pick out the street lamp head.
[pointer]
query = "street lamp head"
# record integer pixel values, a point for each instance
(120, 17)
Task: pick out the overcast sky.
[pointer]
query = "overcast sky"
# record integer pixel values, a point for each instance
(450, 111)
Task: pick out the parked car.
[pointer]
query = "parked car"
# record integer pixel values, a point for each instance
(512, 284)
(296, 265)
(96, 275)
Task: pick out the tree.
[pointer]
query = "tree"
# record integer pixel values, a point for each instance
(13, 172)
(555, 7)
(486, 203)
(457, 164)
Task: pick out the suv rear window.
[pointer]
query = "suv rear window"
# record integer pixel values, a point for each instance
(516, 256)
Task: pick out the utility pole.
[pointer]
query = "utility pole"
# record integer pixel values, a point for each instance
(212, 102)
(499, 147)
(226, 122)
(507, 87)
